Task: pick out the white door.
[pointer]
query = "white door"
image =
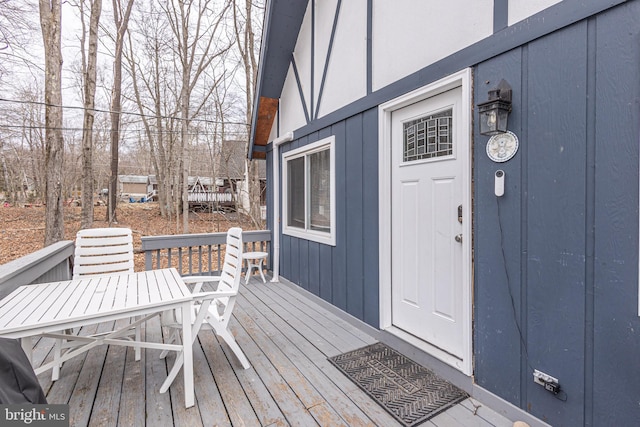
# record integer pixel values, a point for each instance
(427, 189)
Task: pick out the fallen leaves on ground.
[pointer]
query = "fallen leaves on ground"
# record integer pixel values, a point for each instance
(22, 228)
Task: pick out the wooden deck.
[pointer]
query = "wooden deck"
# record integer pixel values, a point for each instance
(287, 339)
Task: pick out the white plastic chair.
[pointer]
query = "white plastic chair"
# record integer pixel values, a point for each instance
(213, 309)
(103, 251)
(99, 252)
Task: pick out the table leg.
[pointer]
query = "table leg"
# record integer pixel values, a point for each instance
(27, 347)
(248, 273)
(57, 352)
(260, 269)
(187, 344)
(138, 339)
(184, 357)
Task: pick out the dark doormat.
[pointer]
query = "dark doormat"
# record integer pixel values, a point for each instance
(409, 392)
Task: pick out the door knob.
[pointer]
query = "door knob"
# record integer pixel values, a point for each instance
(458, 238)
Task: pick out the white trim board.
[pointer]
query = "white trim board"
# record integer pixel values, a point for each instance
(328, 238)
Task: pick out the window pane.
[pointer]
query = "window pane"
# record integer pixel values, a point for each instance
(295, 192)
(320, 191)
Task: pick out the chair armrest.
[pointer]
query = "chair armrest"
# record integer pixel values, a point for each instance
(201, 296)
(199, 280)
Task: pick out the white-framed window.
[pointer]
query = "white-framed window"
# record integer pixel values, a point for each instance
(309, 192)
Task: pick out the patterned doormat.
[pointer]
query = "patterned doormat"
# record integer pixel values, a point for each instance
(406, 390)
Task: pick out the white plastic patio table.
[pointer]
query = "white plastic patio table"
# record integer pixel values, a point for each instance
(48, 308)
(254, 260)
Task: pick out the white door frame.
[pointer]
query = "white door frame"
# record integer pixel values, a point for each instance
(461, 79)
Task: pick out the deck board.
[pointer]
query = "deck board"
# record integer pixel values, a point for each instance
(312, 326)
(316, 311)
(158, 406)
(132, 409)
(314, 320)
(65, 384)
(226, 384)
(107, 400)
(81, 393)
(181, 415)
(208, 392)
(263, 403)
(339, 403)
(265, 358)
(490, 416)
(332, 383)
(313, 335)
(287, 339)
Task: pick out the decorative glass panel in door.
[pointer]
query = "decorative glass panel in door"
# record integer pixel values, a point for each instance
(429, 136)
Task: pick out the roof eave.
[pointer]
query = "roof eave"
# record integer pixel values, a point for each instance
(282, 22)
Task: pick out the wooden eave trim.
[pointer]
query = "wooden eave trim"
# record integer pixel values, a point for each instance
(267, 110)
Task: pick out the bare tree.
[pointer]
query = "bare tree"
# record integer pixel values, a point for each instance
(50, 21)
(89, 73)
(176, 62)
(149, 75)
(245, 40)
(34, 138)
(121, 19)
(196, 51)
(16, 29)
(22, 145)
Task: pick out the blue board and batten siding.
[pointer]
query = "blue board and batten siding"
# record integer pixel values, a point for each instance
(346, 275)
(557, 256)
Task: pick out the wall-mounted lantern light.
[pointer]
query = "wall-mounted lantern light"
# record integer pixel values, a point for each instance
(494, 112)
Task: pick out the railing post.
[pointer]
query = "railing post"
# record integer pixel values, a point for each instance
(148, 260)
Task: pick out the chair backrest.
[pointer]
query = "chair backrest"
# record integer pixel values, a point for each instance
(232, 264)
(102, 252)
(222, 307)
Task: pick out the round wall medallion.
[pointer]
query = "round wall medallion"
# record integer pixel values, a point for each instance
(502, 147)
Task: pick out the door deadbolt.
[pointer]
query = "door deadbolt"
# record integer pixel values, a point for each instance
(460, 214)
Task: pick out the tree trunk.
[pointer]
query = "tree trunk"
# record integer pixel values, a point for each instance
(194, 53)
(184, 114)
(90, 72)
(50, 21)
(151, 80)
(8, 187)
(121, 21)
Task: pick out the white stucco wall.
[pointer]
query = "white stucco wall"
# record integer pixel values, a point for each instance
(273, 134)
(409, 35)
(302, 55)
(291, 111)
(521, 9)
(346, 79)
(325, 12)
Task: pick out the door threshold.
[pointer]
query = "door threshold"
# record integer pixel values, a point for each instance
(434, 351)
